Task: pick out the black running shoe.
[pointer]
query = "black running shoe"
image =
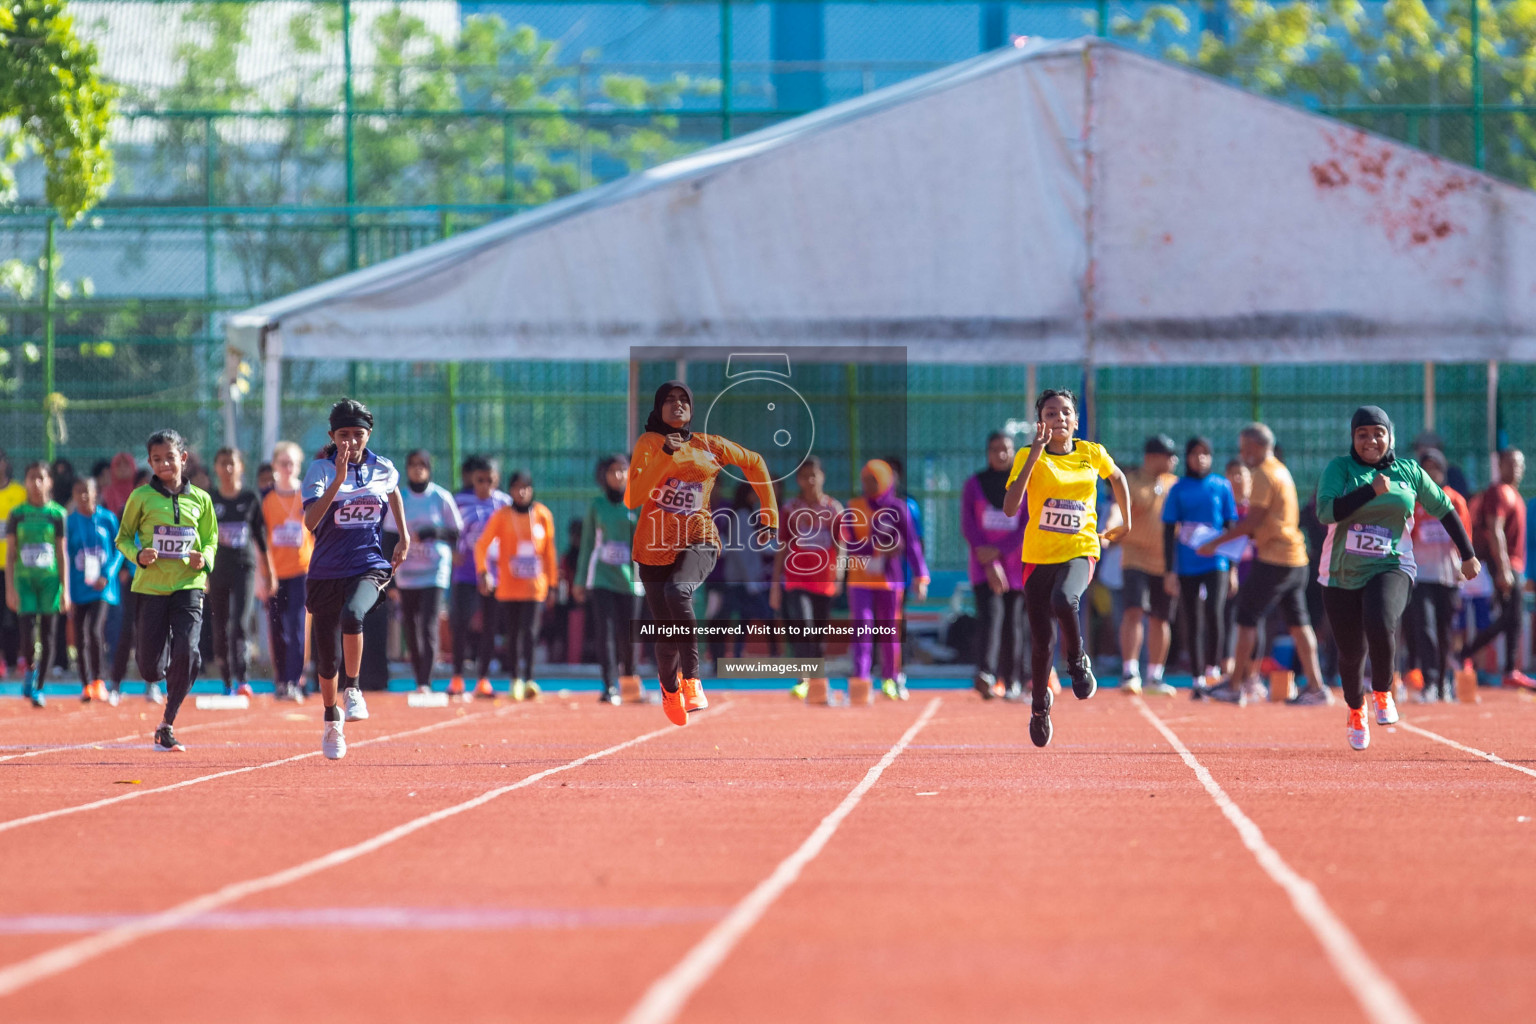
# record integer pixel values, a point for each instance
(165, 740)
(1084, 685)
(985, 685)
(1040, 727)
(610, 695)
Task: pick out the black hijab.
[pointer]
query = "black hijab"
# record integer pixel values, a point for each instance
(994, 485)
(1191, 445)
(1372, 416)
(654, 424)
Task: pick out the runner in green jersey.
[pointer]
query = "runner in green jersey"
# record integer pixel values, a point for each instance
(1366, 500)
(36, 583)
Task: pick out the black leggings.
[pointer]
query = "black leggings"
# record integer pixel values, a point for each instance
(229, 602)
(342, 604)
(127, 635)
(1367, 618)
(1054, 591)
(1203, 620)
(612, 616)
(669, 595)
(806, 608)
(1428, 623)
(520, 619)
(1506, 625)
(471, 647)
(418, 617)
(37, 635)
(91, 635)
(168, 631)
(1002, 644)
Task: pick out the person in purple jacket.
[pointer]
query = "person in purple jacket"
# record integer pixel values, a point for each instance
(996, 540)
(880, 541)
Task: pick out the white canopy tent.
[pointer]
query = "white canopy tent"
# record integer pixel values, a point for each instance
(1057, 202)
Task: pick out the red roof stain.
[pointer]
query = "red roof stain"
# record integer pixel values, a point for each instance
(1167, 238)
(1410, 195)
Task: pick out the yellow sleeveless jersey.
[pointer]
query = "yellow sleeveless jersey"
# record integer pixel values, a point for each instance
(1062, 498)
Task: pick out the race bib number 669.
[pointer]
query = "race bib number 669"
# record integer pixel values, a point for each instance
(679, 496)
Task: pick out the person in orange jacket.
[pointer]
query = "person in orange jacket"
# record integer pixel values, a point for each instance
(671, 477)
(527, 568)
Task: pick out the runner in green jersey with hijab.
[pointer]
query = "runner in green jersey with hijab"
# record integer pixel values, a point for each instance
(1366, 500)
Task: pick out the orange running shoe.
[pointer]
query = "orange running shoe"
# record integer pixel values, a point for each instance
(99, 690)
(1386, 708)
(1359, 732)
(1519, 679)
(484, 689)
(672, 704)
(456, 686)
(693, 695)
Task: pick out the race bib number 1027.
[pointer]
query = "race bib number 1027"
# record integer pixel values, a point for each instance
(174, 541)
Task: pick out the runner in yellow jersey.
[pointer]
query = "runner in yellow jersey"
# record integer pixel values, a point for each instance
(1058, 480)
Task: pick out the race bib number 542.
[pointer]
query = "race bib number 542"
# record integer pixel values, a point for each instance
(359, 515)
(1059, 515)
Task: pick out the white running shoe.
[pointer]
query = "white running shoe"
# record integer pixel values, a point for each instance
(1158, 687)
(1359, 732)
(334, 744)
(1386, 708)
(154, 694)
(352, 702)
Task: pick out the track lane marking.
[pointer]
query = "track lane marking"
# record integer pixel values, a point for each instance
(16, 976)
(1372, 989)
(1485, 755)
(667, 996)
(124, 739)
(33, 819)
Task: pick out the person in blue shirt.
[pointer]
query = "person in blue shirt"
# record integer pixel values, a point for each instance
(1199, 507)
(90, 534)
(346, 492)
(432, 516)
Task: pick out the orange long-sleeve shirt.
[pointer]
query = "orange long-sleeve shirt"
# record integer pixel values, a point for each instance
(672, 492)
(526, 563)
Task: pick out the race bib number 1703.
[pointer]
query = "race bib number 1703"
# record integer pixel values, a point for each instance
(1060, 515)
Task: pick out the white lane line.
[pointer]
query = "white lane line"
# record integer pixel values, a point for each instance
(124, 739)
(670, 993)
(1370, 986)
(1495, 758)
(19, 975)
(32, 819)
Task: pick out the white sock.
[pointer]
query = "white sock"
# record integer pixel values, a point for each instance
(1157, 673)
(1132, 668)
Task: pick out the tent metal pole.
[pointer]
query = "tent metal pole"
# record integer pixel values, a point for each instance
(227, 396)
(272, 388)
(1429, 396)
(682, 370)
(1493, 420)
(632, 404)
(1031, 386)
(452, 382)
(851, 395)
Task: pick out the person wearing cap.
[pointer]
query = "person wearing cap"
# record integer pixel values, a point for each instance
(1198, 508)
(527, 570)
(1429, 619)
(1278, 575)
(1367, 499)
(346, 493)
(1143, 566)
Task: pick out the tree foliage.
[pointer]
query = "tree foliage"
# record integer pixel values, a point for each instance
(54, 103)
(1398, 55)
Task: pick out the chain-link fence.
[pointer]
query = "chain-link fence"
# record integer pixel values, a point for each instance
(266, 146)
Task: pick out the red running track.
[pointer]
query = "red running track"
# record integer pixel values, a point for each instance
(973, 878)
